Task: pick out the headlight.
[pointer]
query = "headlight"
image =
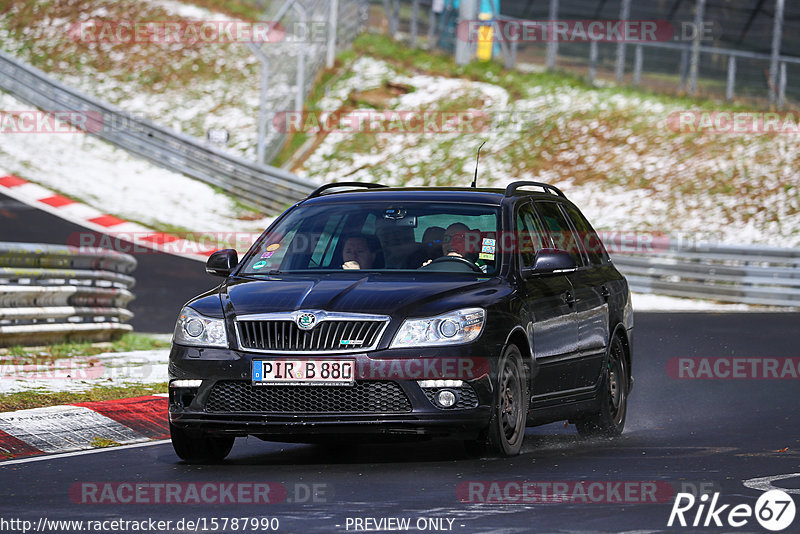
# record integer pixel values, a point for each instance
(195, 329)
(461, 326)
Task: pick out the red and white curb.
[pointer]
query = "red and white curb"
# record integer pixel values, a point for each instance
(46, 200)
(81, 426)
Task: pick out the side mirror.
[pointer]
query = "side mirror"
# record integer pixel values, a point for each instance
(548, 260)
(222, 262)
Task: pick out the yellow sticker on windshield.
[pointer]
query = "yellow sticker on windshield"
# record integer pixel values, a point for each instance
(485, 256)
(273, 247)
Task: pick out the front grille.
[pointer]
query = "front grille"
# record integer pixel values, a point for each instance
(467, 398)
(366, 396)
(326, 336)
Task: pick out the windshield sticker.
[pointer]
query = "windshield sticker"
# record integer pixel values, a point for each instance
(273, 247)
(487, 248)
(259, 265)
(268, 254)
(486, 256)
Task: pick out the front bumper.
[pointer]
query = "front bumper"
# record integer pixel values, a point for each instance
(273, 415)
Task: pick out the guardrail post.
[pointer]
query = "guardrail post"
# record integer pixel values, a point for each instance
(684, 67)
(777, 33)
(637, 65)
(782, 86)
(624, 14)
(552, 43)
(592, 61)
(695, 62)
(731, 78)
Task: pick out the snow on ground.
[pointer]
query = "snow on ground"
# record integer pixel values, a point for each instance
(82, 373)
(644, 302)
(112, 180)
(611, 152)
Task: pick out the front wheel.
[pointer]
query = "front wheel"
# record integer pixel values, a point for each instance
(197, 448)
(506, 430)
(609, 420)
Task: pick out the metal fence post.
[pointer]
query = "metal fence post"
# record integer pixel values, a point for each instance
(333, 22)
(637, 65)
(592, 60)
(777, 33)
(731, 78)
(552, 43)
(414, 15)
(262, 102)
(624, 14)
(694, 65)
(466, 14)
(782, 86)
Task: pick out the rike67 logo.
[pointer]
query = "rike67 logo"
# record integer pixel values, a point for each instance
(774, 510)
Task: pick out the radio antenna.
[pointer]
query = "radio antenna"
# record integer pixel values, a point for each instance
(477, 159)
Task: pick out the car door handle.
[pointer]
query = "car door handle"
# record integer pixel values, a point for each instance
(605, 292)
(569, 299)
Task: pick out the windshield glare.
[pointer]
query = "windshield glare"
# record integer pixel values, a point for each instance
(381, 236)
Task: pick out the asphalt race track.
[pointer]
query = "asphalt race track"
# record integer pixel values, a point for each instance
(163, 282)
(693, 435)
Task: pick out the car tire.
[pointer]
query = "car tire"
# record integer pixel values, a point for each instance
(506, 430)
(609, 420)
(198, 448)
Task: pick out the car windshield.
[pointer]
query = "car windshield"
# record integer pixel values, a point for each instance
(380, 236)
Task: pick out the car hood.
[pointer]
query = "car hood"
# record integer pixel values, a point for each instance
(374, 293)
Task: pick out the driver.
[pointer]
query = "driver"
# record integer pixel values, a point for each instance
(454, 242)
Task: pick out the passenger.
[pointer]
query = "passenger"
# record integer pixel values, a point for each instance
(432, 241)
(360, 252)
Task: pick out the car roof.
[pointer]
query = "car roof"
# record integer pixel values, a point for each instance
(480, 195)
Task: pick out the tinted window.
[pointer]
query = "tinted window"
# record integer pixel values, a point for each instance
(588, 237)
(529, 235)
(560, 231)
(377, 236)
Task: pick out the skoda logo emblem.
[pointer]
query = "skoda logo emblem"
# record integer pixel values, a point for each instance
(307, 321)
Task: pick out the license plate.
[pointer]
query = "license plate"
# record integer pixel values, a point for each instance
(303, 372)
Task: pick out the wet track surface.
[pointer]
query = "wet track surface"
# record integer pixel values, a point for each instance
(685, 433)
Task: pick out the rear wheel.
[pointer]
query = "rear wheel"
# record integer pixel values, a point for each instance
(506, 430)
(199, 448)
(609, 420)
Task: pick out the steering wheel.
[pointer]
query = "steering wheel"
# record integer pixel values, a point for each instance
(458, 259)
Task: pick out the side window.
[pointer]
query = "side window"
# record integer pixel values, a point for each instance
(529, 235)
(560, 231)
(588, 237)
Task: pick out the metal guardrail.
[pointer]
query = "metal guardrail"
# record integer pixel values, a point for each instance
(728, 273)
(263, 186)
(58, 293)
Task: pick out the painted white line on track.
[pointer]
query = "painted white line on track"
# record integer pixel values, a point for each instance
(765, 483)
(80, 453)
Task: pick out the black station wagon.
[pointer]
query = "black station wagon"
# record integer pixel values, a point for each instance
(392, 313)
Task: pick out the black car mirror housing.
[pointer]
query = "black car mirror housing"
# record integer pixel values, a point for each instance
(222, 262)
(549, 260)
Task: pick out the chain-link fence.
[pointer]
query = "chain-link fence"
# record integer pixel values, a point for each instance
(738, 48)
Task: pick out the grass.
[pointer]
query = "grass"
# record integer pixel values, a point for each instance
(34, 399)
(101, 443)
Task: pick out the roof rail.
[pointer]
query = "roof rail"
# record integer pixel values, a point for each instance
(318, 191)
(553, 190)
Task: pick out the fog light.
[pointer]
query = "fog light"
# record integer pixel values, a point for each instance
(446, 398)
(185, 383)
